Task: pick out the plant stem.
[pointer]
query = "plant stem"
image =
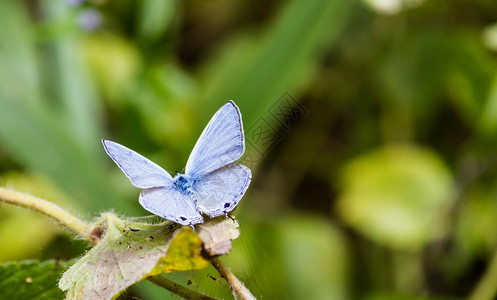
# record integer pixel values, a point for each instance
(487, 285)
(177, 288)
(64, 218)
(236, 285)
(84, 230)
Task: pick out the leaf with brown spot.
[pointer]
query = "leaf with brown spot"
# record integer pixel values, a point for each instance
(218, 234)
(130, 251)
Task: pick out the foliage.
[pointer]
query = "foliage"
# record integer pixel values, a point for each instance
(31, 280)
(370, 131)
(404, 205)
(131, 251)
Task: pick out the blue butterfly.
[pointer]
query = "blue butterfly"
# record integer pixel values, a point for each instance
(213, 183)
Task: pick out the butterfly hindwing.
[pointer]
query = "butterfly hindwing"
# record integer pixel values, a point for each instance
(222, 142)
(142, 172)
(220, 191)
(169, 203)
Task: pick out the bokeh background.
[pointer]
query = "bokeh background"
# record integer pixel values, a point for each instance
(371, 132)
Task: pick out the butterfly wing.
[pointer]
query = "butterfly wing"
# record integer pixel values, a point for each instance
(220, 191)
(142, 172)
(222, 142)
(169, 203)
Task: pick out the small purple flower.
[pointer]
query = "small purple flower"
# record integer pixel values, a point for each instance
(90, 19)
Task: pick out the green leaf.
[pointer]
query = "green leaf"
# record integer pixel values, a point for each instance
(131, 251)
(257, 73)
(478, 213)
(304, 241)
(155, 16)
(79, 110)
(30, 280)
(35, 134)
(397, 196)
(386, 296)
(34, 138)
(487, 124)
(36, 233)
(114, 63)
(18, 72)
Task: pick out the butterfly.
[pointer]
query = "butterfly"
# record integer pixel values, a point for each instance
(213, 183)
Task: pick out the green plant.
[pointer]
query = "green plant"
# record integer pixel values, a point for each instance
(126, 251)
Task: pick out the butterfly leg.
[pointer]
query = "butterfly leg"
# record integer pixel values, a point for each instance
(228, 216)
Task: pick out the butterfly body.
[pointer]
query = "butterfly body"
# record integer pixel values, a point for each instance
(182, 182)
(213, 183)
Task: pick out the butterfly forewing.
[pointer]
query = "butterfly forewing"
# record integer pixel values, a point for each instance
(220, 191)
(170, 204)
(142, 172)
(222, 142)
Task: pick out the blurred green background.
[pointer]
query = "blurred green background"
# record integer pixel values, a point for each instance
(371, 132)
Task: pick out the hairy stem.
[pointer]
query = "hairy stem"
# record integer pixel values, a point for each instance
(84, 230)
(236, 285)
(60, 215)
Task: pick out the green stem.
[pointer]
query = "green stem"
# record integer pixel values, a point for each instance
(64, 218)
(487, 285)
(236, 285)
(177, 288)
(84, 230)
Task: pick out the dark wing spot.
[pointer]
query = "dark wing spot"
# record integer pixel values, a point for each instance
(226, 205)
(183, 218)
